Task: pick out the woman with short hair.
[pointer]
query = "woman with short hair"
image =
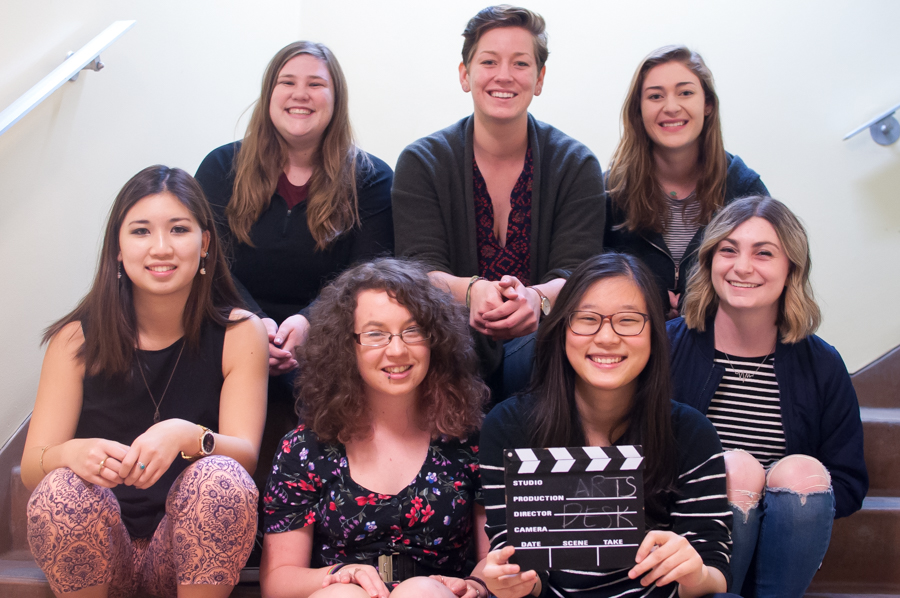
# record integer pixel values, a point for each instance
(500, 205)
(671, 173)
(746, 355)
(149, 411)
(379, 487)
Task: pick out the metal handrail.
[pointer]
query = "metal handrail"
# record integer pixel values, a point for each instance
(883, 128)
(87, 57)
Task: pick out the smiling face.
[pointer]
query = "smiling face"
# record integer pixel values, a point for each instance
(673, 106)
(607, 365)
(395, 370)
(160, 244)
(502, 74)
(302, 101)
(750, 268)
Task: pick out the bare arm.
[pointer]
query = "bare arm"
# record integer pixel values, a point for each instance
(57, 409)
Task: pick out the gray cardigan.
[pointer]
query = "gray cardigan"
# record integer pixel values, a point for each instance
(434, 206)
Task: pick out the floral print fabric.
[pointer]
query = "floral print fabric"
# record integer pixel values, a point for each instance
(430, 520)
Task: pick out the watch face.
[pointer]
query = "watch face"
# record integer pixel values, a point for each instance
(208, 442)
(545, 306)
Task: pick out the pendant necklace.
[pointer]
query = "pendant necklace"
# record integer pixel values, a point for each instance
(744, 376)
(166, 389)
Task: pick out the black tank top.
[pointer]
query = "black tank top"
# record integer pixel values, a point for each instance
(122, 410)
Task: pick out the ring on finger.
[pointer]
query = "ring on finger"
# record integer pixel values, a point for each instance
(142, 466)
(102, 465)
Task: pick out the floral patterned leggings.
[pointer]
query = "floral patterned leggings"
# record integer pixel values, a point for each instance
(78, 539)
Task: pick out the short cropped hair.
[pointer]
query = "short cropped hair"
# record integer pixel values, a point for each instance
(504, 15)
(798, 313)
(330, 391)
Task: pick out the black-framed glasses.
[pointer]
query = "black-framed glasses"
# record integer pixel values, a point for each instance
(623, 323)
(380, 338)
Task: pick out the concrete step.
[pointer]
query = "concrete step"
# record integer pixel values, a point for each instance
(864, 555)
(881, 427)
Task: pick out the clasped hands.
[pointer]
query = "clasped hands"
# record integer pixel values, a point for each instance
(284, 341)
(367, 577)
(109, 463)
(504, 309)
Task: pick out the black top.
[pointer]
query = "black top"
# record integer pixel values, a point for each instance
(122, 410)
(697, 509)
(283, 272)
(430, 520)
(650, 247)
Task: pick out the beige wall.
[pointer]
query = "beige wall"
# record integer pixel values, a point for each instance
(172, 90)
(793, 79)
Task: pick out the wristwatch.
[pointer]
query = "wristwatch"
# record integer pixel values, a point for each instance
(207, 444)
(545, 302)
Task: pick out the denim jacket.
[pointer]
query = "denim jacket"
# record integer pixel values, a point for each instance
(819, 410)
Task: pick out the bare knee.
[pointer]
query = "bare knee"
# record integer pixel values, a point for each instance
(422, 587)
(799, 473)
(341, 590)
(745, 478)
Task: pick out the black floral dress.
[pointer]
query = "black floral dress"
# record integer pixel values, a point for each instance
(430, 520)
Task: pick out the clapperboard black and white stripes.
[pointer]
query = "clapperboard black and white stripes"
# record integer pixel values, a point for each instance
(575, 508)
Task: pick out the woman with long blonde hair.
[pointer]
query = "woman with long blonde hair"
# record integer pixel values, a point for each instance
(297, 200)
(670, 172)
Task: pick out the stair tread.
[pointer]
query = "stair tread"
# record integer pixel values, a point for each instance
(881, 503)
(888, 415)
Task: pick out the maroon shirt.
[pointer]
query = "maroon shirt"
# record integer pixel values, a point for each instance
(514, 258)
(291, 193)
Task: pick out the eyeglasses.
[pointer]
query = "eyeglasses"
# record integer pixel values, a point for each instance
(623, 323)
(380, 338)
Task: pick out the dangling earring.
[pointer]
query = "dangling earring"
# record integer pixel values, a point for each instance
(119, 275)
(203, 263)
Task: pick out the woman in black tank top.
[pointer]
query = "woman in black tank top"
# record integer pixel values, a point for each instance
(150, 409)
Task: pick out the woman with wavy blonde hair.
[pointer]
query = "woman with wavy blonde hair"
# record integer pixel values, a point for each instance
(298, 201)
(376, 489)
(670, 172)
(746, 355)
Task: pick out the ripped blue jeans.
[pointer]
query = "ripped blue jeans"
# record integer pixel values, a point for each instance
(779, 544)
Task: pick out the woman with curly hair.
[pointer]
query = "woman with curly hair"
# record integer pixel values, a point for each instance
(377, 486)
(670, 172)
(745, 354)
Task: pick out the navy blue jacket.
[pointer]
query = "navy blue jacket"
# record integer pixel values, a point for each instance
(819, 410)
(650, 247)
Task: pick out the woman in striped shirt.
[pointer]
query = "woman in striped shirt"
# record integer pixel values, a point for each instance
(780, 398)
(602, 379)
(670, 172)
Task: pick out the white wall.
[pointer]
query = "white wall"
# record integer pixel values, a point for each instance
(172, 90)
(793, 78)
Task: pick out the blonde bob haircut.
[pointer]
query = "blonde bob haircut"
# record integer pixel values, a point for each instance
(332, 204)
(798, 313)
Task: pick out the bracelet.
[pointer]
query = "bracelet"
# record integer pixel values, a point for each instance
(480, 582)
(42, 457)
(472, 282)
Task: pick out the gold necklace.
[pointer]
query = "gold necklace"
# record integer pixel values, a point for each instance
(166, 389)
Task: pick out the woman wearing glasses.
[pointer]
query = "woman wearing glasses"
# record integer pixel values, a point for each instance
(378, 485)
(780, 397)
(602, 379)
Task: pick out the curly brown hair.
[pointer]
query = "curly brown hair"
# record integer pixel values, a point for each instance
(329, 389)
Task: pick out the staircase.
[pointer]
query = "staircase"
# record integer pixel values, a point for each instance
(864, 556)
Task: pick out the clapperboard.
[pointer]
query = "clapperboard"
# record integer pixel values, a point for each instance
(575, 508)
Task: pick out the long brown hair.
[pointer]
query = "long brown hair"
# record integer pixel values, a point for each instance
(798, 313)
(632, 172)
(107, 313)
(330, 398)
(332, 203)
(553, 415)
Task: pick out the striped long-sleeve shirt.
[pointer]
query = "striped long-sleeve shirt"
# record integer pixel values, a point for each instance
(697, 510)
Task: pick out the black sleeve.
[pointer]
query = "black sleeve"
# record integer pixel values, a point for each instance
(216, 177)
(376, 233)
